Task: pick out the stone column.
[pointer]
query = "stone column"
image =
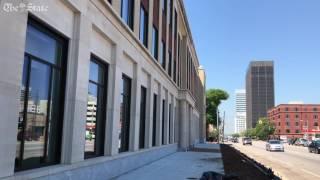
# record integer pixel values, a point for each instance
(159, 117)
(13, 33)
(136, 21)
(183, 124)
(117, 6)
(150, 25)
(172, 117)
(113, 104)
(135, 109)
(73, 140)
(149, 113)
(177, 118)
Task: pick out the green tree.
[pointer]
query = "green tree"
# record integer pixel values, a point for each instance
(264, 129)
(235, 135)
(213, 136)
(213, 100)
(249, 133)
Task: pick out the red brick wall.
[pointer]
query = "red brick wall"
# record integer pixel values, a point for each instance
(304, 115)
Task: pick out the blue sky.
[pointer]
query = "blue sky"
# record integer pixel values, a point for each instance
(228, 34)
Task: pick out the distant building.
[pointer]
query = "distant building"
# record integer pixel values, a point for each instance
(259, 90)
(295, 120)
(240, 116)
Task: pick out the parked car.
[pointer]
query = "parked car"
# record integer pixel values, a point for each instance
(274, 145)
(292, 141)
(246, 141)
(314, 147)
(234, 140)
(301, 142)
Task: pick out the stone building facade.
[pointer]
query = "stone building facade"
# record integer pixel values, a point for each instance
(91, 89)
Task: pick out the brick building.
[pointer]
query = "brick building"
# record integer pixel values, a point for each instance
(295, 120)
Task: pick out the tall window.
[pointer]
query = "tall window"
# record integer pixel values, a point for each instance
(170, 124)
(143, 26)
(41, 99)
(174, 70)
(169, 64)
(155, 42)
(127, 9)
(143, 101)
(164, 5)
(170, 10)
(96, 109)
(163, 118)
(154, 120)
(163, 54)
(125, 114)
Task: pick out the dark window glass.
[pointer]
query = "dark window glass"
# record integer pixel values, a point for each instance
(143, 26)
(164, 6)
(41, 99)
(96, 109)
(174, 71)
(288, 130)
(170, 10)
(41, 45)
(163, 54)
(154, 120)
(170, 124)
(155, 43)
(297, 123)
(127, 9)
(124, 133)
(163, 118)
(142, 117)
(169, 64)
(315, 124)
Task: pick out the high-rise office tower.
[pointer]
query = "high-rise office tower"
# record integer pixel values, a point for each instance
(240, 116)
(259, 90)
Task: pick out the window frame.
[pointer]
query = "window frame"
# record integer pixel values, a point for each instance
(143, 36)
(62, 68)
(155, 42)
(143, 111)
(154, 119)
(124, 145)
(128, 18)
(95, 59)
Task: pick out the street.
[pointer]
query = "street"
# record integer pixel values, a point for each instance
(295, 163)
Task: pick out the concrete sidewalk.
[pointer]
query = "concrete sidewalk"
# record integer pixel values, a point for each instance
(180, 165)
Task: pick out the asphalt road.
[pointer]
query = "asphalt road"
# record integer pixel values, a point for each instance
(296, 163)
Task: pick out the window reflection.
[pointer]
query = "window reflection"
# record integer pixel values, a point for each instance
(40, 116)
(96, 100)
(124, 123)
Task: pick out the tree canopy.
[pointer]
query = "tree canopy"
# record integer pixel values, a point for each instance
(263, 129)
(213, 100)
